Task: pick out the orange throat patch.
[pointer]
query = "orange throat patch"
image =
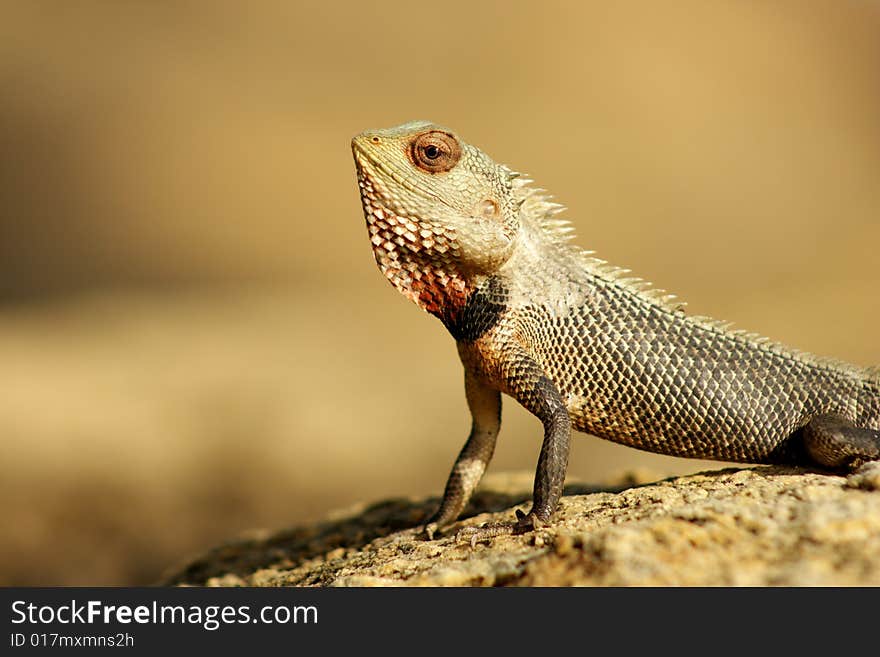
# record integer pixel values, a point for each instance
(419, 260)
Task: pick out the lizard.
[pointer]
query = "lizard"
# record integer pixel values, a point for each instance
(577, 341)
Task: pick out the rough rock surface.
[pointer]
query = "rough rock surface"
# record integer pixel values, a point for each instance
(753, 527)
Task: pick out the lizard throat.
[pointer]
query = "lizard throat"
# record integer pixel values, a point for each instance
(417, 257)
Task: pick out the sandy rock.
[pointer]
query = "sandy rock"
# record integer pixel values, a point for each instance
(749, 527)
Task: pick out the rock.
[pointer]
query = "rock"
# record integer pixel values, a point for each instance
(866, 477)
(740, 527)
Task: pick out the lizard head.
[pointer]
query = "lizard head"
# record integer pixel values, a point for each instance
(442, 216)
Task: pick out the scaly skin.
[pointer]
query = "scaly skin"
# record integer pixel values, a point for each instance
(576, 342)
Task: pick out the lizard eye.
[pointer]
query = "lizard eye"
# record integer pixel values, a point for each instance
(435, 152)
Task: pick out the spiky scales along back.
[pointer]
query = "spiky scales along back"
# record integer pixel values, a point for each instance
(545, 215)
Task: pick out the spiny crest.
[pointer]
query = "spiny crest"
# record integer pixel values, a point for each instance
(542, 213)
(540, 210)
(537, 207)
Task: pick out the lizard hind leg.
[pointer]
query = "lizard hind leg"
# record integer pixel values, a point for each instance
(835, 442)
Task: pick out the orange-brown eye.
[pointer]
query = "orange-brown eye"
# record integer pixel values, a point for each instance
(435, 152)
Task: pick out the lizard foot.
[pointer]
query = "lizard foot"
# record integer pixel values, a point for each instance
(524, 524)
(436, 523)
(429, 530)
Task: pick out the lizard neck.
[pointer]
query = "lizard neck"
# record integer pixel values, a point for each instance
(442, 292)
(485, 306)
(437, 288)
(419, 259)
(468, 306)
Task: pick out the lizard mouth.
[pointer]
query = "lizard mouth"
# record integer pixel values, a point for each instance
(371, 170)
(393, 230)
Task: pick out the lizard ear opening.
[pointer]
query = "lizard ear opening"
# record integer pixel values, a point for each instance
(489, 209)
(435, 151)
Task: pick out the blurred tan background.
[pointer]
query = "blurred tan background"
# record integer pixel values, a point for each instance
(194, 339)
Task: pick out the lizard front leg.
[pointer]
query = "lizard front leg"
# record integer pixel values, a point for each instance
(485, 406)
(539, 395)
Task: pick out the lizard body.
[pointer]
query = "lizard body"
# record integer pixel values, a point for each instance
(577, 342)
